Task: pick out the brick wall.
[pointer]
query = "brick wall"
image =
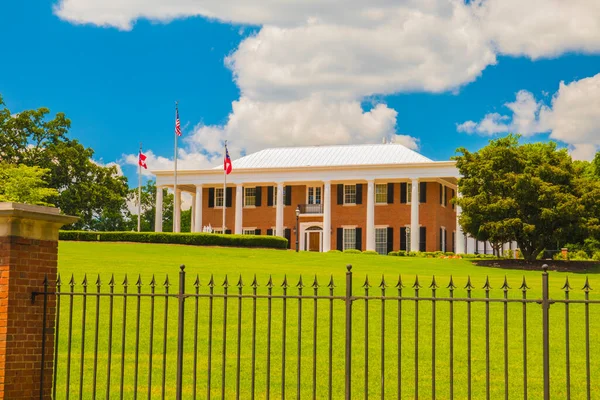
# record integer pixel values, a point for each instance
(23, 265)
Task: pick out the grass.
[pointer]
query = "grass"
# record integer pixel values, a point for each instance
(150, 260)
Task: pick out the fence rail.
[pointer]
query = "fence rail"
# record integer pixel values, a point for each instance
(391, 330)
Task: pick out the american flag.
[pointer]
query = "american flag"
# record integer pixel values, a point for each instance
(177, 123)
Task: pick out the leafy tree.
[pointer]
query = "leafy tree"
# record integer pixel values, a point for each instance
(596, 165)
(83, 187)
(23, 184)
(522, 192)
(149, 208)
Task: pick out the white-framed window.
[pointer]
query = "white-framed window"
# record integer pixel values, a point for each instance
(313, 195)
(218, 197)
(408, 238)
(219, 231)
(381, 240)
(349, 238)
(409, 192)
(381, 193)
(249, 231)
(249, 197)
(273, 231)
(443, 239)
(444, 199)
(274, 196)
(349, 194)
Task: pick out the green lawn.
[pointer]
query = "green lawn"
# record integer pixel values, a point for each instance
(159, 260)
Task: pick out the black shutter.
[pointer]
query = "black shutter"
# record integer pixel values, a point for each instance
(230, 196)
(228, 231)
(453, 194)
(258, 199)
(269, 232)
(359, 239)
(403, 194)
(390, 239)
(422, 238)
(257, 232)
(359, 193)
(211, 197)
(340, 194)
(288, 196)
(288, 235)
(390, 193)
(423, 196)
(403, 239)
(340, 239)
(454, 242)
(441, 239)
(441, 194)
(270, 196)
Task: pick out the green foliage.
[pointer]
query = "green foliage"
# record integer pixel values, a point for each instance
(596, 256)
(196, 239)
(508, 253)
(370, 252)
(334, 251)
(579, 255)
(23, 184)
(352, 251)
(529, 193)
(149, 210)
(393, 253)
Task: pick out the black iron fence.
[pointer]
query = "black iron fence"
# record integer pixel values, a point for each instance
(157, 357)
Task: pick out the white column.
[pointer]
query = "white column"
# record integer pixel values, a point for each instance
(414, 216)
(370, 215)
(198, 209)
(158, 216)
(279, 211)
(327, 216)
(460, 236)
(193, 216)
(177, 216)
(239, 197)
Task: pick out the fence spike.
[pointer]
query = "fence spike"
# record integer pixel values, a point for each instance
(566, 287)
(111, 283)
(469, 285)
(84, 283)
(72, 281)
(98, 281)
(153, 281)
(399, 285)
(587, 286)
(197, 282)
(366, 285)
(58, 281)
(167, 283)
(226, 282)
(139, 281)
(211, 282)
(254, 283)
(487, 285)
(417, 285)
(126, 281)
(451, 284)
(240, 283)
(270, 283)
(524, 286)
(505, 286)
(285, 284)
(383, 285)
(300, 284)
(315, 283)
(434, 284)
(331, 285)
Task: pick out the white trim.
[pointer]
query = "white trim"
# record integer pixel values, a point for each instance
(302, 238)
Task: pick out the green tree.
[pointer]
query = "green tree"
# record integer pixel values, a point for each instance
(83, 187)
(23, 184)
(522, 192)
(149, 208)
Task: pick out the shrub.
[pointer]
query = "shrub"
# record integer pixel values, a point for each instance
(371, 252)
(334, 251)
(196, 239)
(402, 253)
(596, 256)
(449, 253)
(508, 253)
(393, 253)
(352, 251)
(579, 255)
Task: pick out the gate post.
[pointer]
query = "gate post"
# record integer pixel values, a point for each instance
(348, 299)
(28, 264)
(181, 318)
(546, 331)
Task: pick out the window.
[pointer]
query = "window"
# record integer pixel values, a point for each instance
(408, 241)
(409, 192)
(249, 197)
(349, 194)
(314, 195)
(381, 240)
(381, 193)
(274, 195)
(219, 231)
(218, 197)
(443, 239)
(349, 238)
(246, 231)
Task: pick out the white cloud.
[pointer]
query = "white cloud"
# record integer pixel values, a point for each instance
(571, 118)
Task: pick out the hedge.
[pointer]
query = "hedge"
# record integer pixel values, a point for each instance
(196, 239)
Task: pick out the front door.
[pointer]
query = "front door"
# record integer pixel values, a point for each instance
(314, 242)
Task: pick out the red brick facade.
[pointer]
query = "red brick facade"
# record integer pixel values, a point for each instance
(23, 266)
(432, 214)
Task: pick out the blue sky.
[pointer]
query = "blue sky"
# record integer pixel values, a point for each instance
(117, 78)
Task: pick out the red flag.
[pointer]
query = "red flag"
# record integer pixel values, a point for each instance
(227, 163)
(142, 160)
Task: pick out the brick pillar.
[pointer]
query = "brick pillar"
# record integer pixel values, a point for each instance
(28, 253)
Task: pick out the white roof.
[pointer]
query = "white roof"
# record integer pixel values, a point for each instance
(325, 156)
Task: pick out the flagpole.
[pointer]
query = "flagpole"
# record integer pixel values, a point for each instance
(140, 191)
(175, 184)
(224, 188)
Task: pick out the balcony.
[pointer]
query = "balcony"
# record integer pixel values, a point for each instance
(310, 208)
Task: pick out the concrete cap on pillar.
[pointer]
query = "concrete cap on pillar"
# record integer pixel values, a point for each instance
(32, 222)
